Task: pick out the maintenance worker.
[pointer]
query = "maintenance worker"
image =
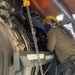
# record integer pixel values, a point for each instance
(60, 42)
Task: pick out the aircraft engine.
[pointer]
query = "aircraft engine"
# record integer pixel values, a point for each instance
(13, 37)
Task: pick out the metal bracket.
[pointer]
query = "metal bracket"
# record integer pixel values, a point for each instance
(26, 60)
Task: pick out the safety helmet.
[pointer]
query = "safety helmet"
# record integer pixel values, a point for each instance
(51, 17)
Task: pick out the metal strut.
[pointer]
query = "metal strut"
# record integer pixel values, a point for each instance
(26, 3)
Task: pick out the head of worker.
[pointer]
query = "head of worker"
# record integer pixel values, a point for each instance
(50, 22)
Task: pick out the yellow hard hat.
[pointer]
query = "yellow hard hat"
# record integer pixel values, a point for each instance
(50, 17)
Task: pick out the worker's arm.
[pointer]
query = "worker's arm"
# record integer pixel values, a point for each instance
(51, 40)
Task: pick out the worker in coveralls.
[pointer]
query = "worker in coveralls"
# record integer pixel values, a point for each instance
(60, 42)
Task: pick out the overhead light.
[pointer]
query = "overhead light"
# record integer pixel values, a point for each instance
(60, 17)
(73, 16)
